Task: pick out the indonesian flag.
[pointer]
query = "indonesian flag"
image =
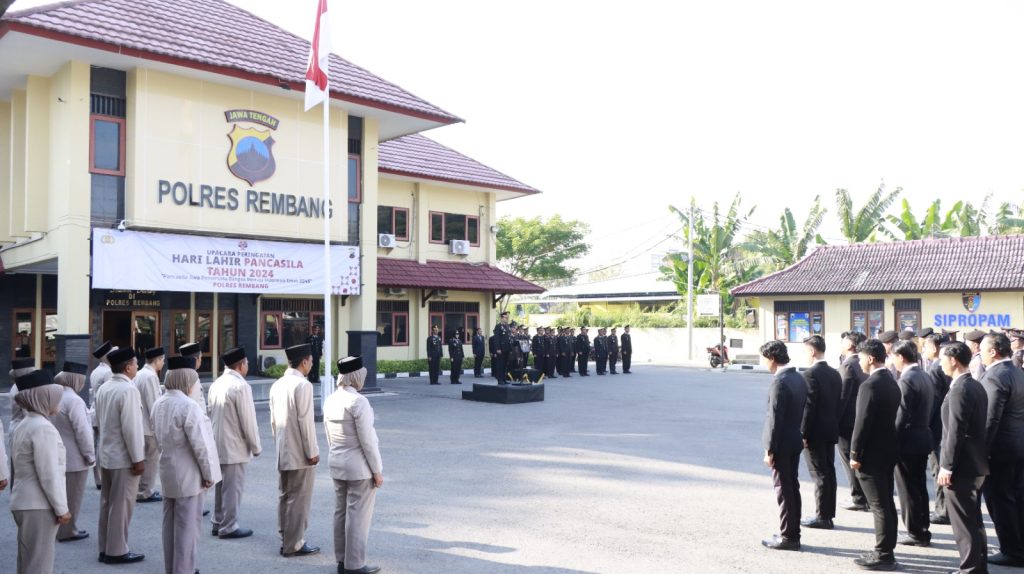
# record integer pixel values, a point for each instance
(319, 51)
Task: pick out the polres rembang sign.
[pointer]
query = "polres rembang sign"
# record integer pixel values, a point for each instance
(973, 319)
(195, 263)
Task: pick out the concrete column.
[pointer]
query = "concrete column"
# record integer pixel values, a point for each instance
(215, 338)
(362, 338)
(16, 203)
(37, 154)
(5, 170)
(421, 223)
(37, 333)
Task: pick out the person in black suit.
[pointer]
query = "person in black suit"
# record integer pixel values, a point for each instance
(537, 346)
(820, 431)
(582, 352)
(964, 458)
(626, 346)
(492, 349)
(852, 376)
(478, 353)
(502, 348)
(913, 430)
(940, 386)
(874, 450)
(1004, 430)
(613, 351)
(456, 354)
(600, 351)
(782, 441)
(563, 349)
(434, 351)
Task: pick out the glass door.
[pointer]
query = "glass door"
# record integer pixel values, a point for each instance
(145, 331)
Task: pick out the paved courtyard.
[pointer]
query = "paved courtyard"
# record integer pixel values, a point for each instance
(658, 471)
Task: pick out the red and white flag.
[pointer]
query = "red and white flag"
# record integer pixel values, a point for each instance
(319, 52)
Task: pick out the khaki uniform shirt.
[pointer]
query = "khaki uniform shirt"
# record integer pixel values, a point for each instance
(119, 415)
(348, 423)
(17, 413)
(147, 381)
(99, 375)
(37, 455)
(3, 456)
(291, 420)
(72, 422)
(234, 419)
(184, 436)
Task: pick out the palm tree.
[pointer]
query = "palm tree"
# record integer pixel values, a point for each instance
(788, 244)
(862, 226)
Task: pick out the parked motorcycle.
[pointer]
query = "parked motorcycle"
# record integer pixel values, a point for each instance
(718, 356)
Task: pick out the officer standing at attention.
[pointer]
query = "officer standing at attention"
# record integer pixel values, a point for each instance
(316, 345)
(582, 351)
(600, 351)
(563, 348)
(613, 351)
(99, 375)
(478, 353)
(1017, 344)
(978, 366)
(627, 350)
(456, 354)
(434, 351)
(551, 352)
(148, 384)
(571, 359)
(537, 346)
(502, 348)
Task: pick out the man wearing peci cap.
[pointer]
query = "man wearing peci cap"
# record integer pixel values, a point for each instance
(99, 375)
(148, 384)
(973, 340)
(195, 352)
(122, 455)
(888, 339)
(238, 440)
(1017, 345)
(291, 421)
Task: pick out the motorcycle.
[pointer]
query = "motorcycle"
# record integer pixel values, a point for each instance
(718, 356)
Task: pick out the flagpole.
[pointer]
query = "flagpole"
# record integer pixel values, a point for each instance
(327, 388)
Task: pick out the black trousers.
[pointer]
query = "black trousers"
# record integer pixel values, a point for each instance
(478, 365)
(549, 365)
(601, 363)
(434, 366)
(821, 465)
(456, 371)
(1004, 496)
(856, 492)
(314, 373)
(785, 476)
(581, 364)
(499, 366)
(964, 507)
(613, 358)
(627, 360)
(877, 486)
(940, 493)
(912, 486)
(538, 363)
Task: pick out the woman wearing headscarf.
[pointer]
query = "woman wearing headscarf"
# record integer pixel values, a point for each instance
(72, 422)
(188, 464)
(38, 499)
(19, 368)
(355, 465)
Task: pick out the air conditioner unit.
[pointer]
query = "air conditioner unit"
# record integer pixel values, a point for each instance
(395, 291)
(385, 240)
(459, 247)
(442, 294)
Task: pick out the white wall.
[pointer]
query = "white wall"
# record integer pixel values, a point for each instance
(670, 345)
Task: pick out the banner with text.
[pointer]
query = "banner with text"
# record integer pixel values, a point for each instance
(194, 263)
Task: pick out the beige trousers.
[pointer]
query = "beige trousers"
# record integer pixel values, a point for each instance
(181, 533)
(96, 448)
(147, 481)
(37, 534)
(117, 502)
(228, 497)
(74, 482)
(296, 488)
(353, 512)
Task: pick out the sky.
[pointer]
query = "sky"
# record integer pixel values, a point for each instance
(616, 110)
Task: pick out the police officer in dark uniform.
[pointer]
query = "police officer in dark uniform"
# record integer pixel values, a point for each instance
(316, 345)
(582, 351)
(537, 346)
(478, 353)
(456, 354)
(551, 348)
(502, 348)
(627, 350)
(434, 351)
(572, 349)
(600, 351)
(613, 351)
(1017, 344)
(563, 348)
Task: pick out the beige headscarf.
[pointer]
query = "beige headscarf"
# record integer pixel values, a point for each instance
(181, 379)
(73, 381)
(355, 379)
(44, 400)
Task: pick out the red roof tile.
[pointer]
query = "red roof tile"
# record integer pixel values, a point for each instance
(213, 33)
(993, 263)
(419, 156)
(449, 275)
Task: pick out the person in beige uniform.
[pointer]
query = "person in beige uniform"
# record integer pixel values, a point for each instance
(355, 464)
(188, 465)
(4, 473)
(148, 384)
(291, 420)
(99, 375)
(238, 440)
(122, 456)
(38, 499)
(72, 422)
(194, 351)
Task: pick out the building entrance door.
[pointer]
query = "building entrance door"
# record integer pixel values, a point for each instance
(117, 328)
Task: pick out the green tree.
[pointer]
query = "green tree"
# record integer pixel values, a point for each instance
(782, 247)
(863, 224)
(539, 250)
(970, 221)
(905, 226)
(1006, 220)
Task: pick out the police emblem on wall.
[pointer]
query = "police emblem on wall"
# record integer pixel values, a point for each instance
(251, 156)
(972, 301)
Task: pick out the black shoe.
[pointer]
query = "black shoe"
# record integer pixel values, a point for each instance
(937, 519)
(816, 522)
(615, 372)
(1001, 559)
(854, 506)
(99, 487)
(215, 531)
(240, 533)
(777, 542)
(364, 570)
(341, 568)
(155, 497)
(81, 534)
(103, 557)
(306, 550)
(206, 513)
(456, 383)
(435, 383)
(875, 561)
(129, 558)
(909, 540)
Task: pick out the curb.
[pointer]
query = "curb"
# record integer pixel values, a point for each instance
(418, 374)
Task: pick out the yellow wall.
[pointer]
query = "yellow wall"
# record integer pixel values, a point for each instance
(177, 132)
(419, 321)
(5, 171)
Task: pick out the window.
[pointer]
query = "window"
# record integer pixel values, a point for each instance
(145, 331)
(797, 320)
(106, 149)
(271, 331)
(50, 336)
(452, 315)
(445, 227)
(908, 314)
(24, 333)
(392, 323)
(288, 322)
(355, 197)
(179, 319)
(228, 336)
(394, 220)
(866, 316)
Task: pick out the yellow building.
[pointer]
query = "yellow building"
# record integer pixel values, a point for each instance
(958, 284)
(161, 183)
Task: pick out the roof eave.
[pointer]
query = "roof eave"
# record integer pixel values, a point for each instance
(466, 182)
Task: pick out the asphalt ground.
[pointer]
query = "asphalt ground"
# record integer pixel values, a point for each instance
(657, 471)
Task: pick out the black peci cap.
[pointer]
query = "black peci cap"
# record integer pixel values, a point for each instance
(298, 352)
(232, 356)
(77, 368)
(189, 349)
(174, 363)
(350, 365)
(102, 350)
(154, 353)
(120, 356)
(32, 380)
